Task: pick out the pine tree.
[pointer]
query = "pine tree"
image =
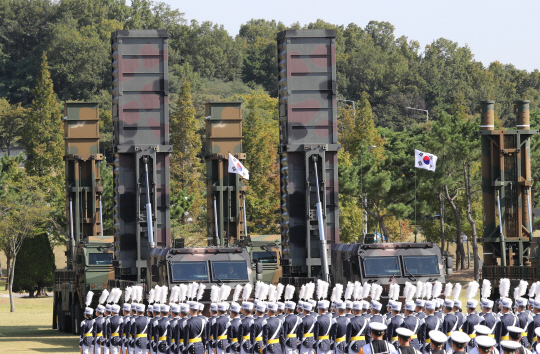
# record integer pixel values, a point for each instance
(43, 132)
(35, 266)
(187, 170)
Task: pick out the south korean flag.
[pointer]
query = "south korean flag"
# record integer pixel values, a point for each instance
(425, 160)
(236, 166)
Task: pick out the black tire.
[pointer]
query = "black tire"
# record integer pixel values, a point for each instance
(60, 316)
(55, 317)
(76, 315)
(67, 323)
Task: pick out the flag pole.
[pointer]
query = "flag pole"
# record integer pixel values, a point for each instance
(229, 200)
(415, 226)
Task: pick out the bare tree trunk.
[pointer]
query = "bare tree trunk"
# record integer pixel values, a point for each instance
(467, 178)
(11, 276)
(441, 220)
(8, 270)
(384, 230)
(459, 244)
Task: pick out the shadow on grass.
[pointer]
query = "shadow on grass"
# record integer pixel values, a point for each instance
(32, 336)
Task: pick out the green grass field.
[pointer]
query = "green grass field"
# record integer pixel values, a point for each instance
(29, 328)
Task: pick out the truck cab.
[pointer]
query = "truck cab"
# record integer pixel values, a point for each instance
(205, 265)
(387, 263)
(265, 249)
(90, 270)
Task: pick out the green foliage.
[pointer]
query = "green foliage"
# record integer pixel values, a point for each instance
(43, 131)
(107, 202)
(35, 265)
(187, 170)
(24, 214)
(11, 123)
(181, 203)
(260, 129)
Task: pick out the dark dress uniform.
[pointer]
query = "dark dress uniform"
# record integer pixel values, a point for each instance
(97, 331)
(306, 334)
(244, 335)
(125, 333)
(489, 320)
(431, 323)
(523, 321)
(439, 315)
(501, 328)
(219, 332)
(394, 323)
(194, 336)
(450, 324)
(291, 326)
(87, 336)
(356, 333)
(115, 328)
(139, 333)
(161, 342)
(420, 315)
(323, 325)
(413, 323)
(468, 328)
(152, 338)
(461, 318)
(273, 338)
(376, 318)
(257, 334)
(233, 333)
(531, 337)
(172, 340)
(338, 334)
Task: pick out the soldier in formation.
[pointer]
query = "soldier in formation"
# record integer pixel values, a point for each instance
(343, 323)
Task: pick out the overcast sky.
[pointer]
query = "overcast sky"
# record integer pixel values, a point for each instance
(507, 31)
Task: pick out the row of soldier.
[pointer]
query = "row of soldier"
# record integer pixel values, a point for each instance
(311, 326)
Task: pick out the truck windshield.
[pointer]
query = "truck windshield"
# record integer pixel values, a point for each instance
(381, 266)
(419, 265)
(230, 270)
(99, 259)
(189, 271)
(264, 257)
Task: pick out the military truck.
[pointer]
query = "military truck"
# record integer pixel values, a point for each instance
(510, 250)
(265, 249)
(203, 265)
(387, 263)
(88, 251)
(91, 270)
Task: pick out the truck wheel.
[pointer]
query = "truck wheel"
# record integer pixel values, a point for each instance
(76, 315)
(60, 316)
(67, 323)
(55, 316)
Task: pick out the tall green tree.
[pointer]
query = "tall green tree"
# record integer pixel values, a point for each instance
(260, 130)
(23, 214)
(35, 270)
(11, 123)
(43, 132)
(43, 140)
(108, 198)
(187, 169)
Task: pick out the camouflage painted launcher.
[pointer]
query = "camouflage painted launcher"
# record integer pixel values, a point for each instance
(307, 136)
(141, 147)
(82, 158)
(224, 135)
(506, 190)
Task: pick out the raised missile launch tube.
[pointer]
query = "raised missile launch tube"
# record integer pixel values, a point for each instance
(523, 123)
(488, 191)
